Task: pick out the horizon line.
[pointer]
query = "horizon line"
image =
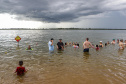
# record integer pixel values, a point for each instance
(62, 28)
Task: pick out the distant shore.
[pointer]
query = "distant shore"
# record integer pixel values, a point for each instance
(59, 29)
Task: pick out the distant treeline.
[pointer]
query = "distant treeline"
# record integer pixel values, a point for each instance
(59, 29)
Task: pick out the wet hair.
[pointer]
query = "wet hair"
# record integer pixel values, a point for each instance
(96, 45)
(77, 44)
(121, 40)
(105, 44)
(87, 39)
(20, 63)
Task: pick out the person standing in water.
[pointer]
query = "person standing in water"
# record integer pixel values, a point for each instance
(121, 44)
(20, 70)
(113, 42)
(125, 43)
(86, 45)
(50, 44)
(101, 45)
(60, 45)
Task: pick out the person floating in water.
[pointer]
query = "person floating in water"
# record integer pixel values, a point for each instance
(86, 45)
(20, 70)
(113, 42)
(100, 45)
(50, 45)
(60, 45)
(29, 48)
(121, 44)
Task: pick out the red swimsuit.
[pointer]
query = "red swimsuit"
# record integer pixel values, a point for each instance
(20, 70)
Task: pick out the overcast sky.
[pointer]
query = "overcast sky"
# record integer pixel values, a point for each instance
(62, 13)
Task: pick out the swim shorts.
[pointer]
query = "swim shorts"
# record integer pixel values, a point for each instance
(86, 50)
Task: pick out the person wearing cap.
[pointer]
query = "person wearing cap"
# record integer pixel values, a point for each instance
(86, 45)
(121, 44)
(60, 45)
(113, 42)
(100, 45)
(50, 45)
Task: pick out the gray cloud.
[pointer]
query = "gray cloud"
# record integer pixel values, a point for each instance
(58, 10)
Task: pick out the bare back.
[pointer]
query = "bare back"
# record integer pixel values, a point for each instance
(121, 46)
(86, 44)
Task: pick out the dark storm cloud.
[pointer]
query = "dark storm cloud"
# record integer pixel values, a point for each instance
(57, 10)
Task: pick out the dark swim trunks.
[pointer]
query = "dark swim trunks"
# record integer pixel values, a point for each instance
(86, 50)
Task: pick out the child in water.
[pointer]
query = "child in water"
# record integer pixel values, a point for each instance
(20, 70)
(105, 44)
(75, 46)
(29, 47)
(97, 48)
(65, 44)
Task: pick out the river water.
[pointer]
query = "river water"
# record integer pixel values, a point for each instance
(71, 66)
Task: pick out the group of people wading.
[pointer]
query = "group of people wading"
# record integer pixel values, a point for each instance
(86, 45)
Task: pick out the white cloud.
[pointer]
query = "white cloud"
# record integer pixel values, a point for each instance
(8, 21)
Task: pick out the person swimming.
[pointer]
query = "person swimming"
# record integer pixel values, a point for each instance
(29, 48)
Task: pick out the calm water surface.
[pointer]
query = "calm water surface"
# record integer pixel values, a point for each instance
(71, 66)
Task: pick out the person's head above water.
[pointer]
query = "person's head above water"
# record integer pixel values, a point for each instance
(125, 41)
(96, 45)
(105, 44)
(87, 39)
(60, 40)
(113, 39)
(20, 63)
(100, 41)
(51, 39)
(121, 40)
(29, 47)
